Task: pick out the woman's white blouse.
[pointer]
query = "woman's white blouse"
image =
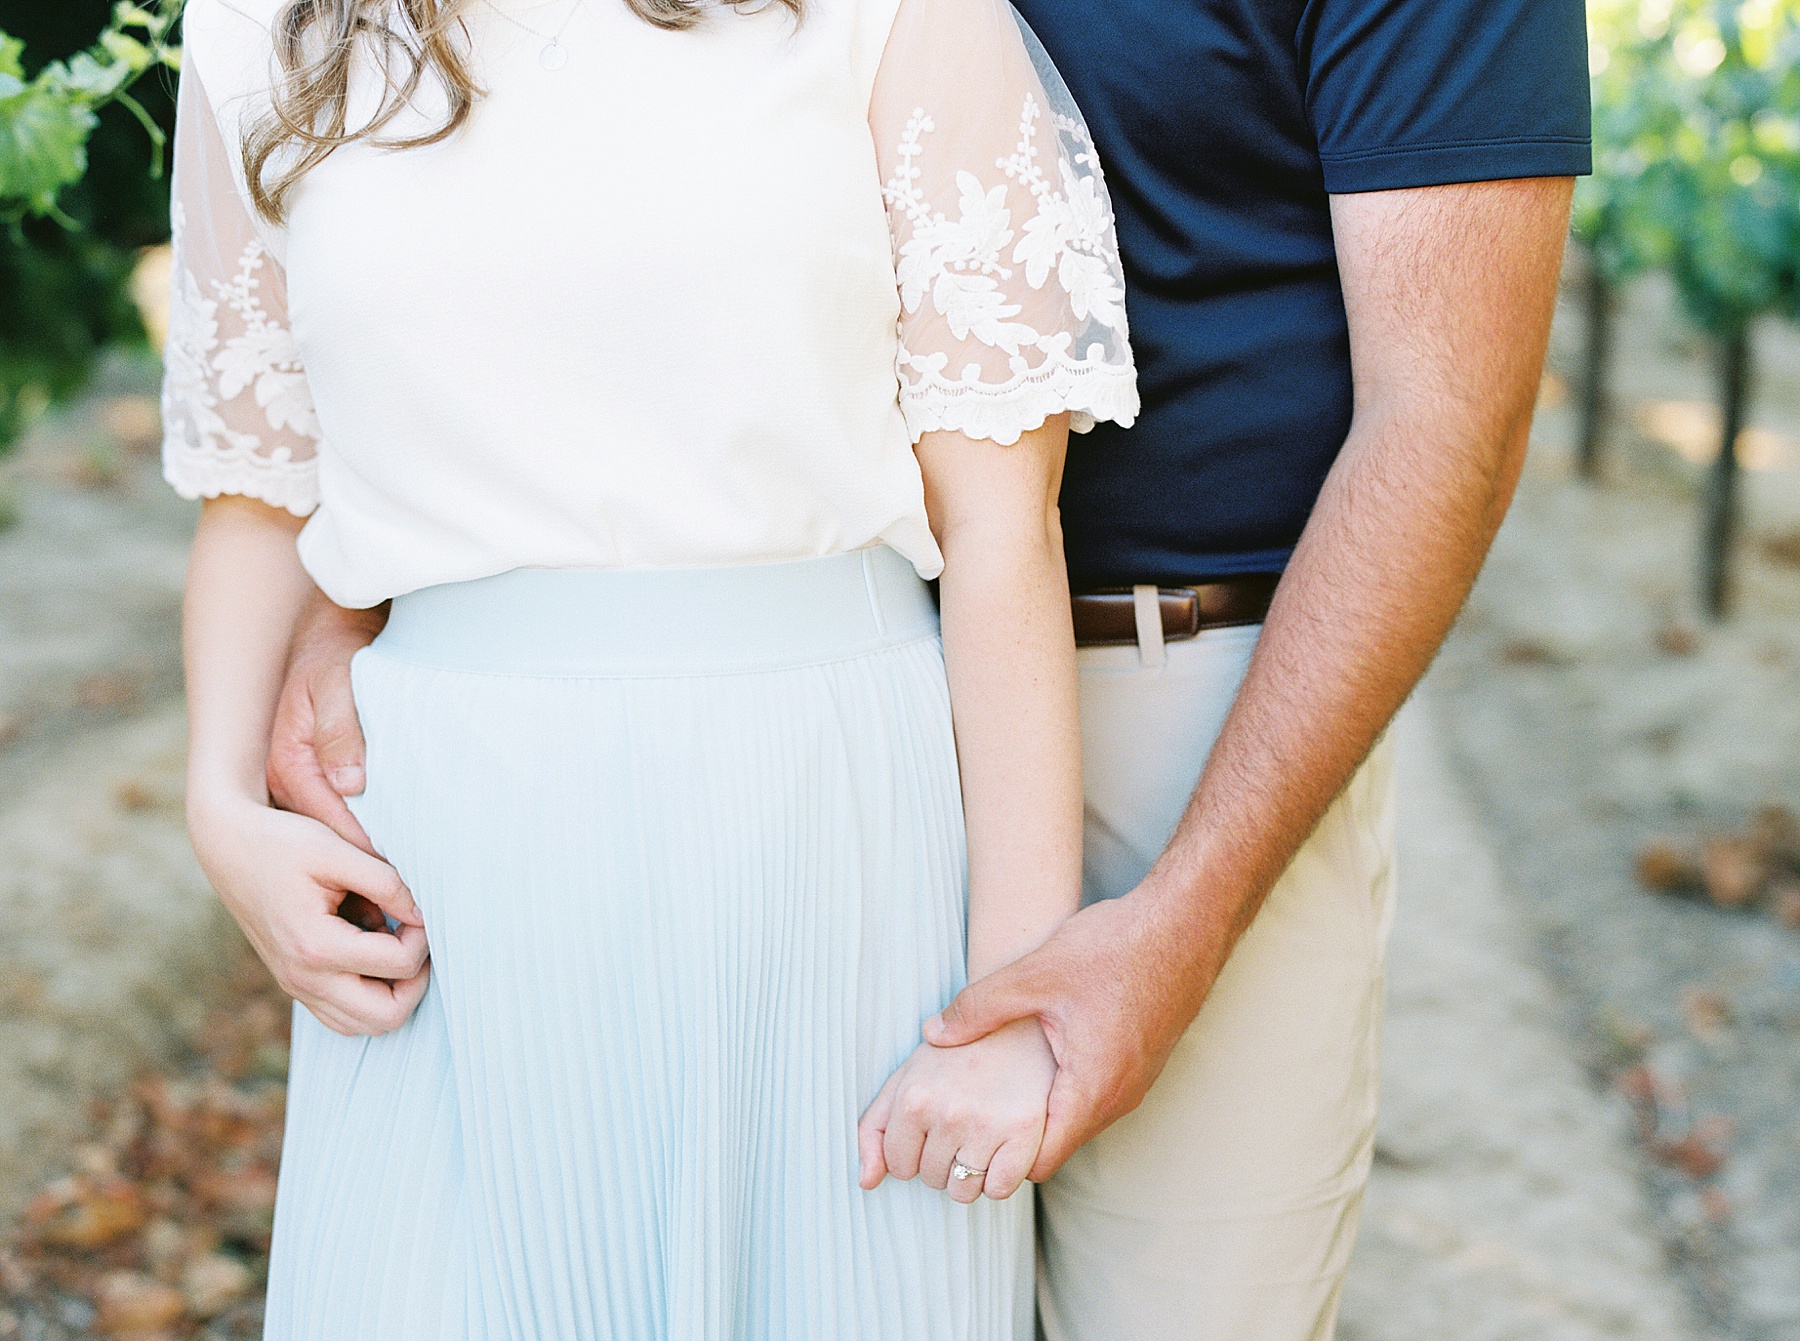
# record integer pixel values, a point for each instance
(687, 300)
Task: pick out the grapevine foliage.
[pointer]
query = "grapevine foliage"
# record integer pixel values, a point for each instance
(1697, 152)
(77, 133)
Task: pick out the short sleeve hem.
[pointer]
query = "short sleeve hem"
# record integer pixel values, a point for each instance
(1087, 393)
(195, 473)
(1447, 164)
(1012, 293)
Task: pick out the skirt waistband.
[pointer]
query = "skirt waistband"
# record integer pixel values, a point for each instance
(664, 622)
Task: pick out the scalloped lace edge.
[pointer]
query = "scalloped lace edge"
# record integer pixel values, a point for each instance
(196, 472)
(1088, 392)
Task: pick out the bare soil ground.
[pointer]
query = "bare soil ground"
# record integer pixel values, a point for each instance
(1507, 1201)
(1590, 711)
(116, 961)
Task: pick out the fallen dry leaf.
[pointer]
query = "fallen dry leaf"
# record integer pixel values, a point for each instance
(1775, 834)
(1733, 870)
(1677, 640)
(1668, 866)
(110, 689)
(243, 1191)
(96, 465)
(76, 1213)
(1693, 1154)
(214, 1282)
(1707, 1012)
(135, 794)
(1532, 652)
(135, 421)
(166, 1246)
(1639, 1089)
(1783, 547)
(14, 1279)
(1637, 1084)
(133, 1304)
(1784, 902)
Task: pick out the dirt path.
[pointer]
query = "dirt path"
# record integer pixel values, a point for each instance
(1506, 1200)
(108, 933)
(1587, 708)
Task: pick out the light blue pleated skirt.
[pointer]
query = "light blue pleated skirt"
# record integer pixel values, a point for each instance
(689, 849)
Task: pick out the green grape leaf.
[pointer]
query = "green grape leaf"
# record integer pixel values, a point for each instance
(131, 54)
(126, 14)
(87, 78)
(45, 122)
(43, 147)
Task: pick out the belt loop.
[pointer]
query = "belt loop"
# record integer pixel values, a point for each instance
(873, 587)
(1146, 604)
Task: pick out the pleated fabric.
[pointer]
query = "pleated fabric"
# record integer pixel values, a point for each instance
(689, 850)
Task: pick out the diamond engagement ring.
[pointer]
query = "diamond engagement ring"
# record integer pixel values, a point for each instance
(962, 1172)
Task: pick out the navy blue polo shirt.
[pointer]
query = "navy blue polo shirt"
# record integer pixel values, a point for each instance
(1223, 126)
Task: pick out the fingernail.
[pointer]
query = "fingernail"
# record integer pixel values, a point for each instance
(347, 780)
(934, 1027)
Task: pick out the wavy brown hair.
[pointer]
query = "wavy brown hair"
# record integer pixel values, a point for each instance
(316, 43)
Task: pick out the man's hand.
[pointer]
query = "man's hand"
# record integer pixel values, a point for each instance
(1449, 291)
(316, 754)
(1114, 993)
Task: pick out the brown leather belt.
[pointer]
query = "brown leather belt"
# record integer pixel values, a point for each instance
(1109, 617)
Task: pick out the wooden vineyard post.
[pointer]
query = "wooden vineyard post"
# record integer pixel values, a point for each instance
(1596, 367)
(1719, 525)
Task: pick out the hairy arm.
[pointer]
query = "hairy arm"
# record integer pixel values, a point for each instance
(1009, 654)
(283, 877)
(1449, 292)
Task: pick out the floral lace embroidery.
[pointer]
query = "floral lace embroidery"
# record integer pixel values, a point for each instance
(962, 264)
(204, 454)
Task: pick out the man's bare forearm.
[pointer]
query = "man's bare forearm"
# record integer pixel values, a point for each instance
(1406, 517)
(1362, 609)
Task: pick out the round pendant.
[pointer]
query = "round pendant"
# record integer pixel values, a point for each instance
(554, 56)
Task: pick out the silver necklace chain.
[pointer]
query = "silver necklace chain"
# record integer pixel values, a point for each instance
(554, 54)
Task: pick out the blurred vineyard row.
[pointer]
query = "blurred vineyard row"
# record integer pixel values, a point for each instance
(1697, 174)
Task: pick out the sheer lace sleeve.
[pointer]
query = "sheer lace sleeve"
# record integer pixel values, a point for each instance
(1012, 297)
(237, 415)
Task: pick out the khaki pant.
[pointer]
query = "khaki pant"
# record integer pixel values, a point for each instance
(1225, 1207)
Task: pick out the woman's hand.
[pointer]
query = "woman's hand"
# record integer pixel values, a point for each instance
(982, 1106)
(293, 885)
(285, 879)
